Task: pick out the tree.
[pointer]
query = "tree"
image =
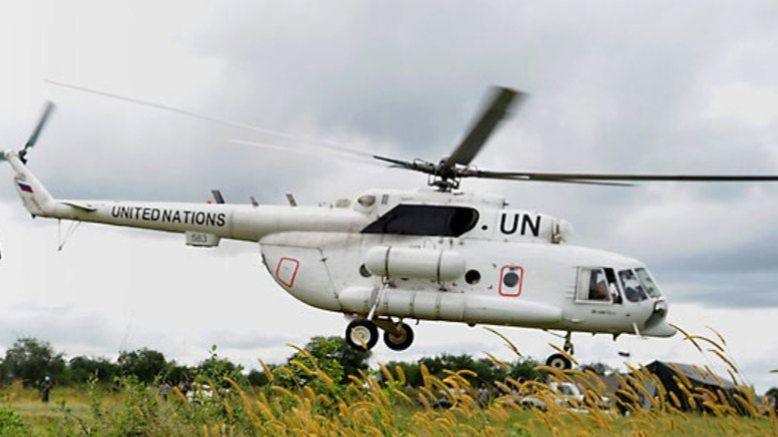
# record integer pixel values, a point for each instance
(525, 370)
(82, 369)
(30, 359)
(486, 371)
(410, 371)
(215, 369)
(351, 359)
(331, 355)
(773, 393)
(257, 378)
(144, 363)
(177, 374)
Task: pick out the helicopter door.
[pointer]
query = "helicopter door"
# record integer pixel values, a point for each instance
(511, 280)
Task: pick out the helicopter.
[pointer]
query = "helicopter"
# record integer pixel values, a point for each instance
(435, 253)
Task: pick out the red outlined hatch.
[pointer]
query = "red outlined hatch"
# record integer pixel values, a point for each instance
(286, 271)
(511, 280)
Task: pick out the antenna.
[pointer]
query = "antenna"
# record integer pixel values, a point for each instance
(290, 198)
(217, 197)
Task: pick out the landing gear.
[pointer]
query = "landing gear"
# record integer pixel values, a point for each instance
(560, 361)
(399, 338)
(361, 334)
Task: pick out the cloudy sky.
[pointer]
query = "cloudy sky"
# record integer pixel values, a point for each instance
(627, 87)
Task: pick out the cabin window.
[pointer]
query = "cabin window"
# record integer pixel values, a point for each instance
(432, 220)
(510, 279)
(613, 286)
(598, 286)
(472, 277)
(633, 288)
(593, 285)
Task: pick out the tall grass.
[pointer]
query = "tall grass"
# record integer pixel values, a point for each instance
(383, 403)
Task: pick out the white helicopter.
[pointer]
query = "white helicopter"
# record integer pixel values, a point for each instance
(432, 254)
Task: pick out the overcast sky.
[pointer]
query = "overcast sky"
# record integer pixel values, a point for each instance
(615, 86)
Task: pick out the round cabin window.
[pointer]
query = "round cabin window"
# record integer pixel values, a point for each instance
(364, 271)
(510, 279)
(472, 277)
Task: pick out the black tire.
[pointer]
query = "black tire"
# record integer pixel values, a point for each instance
(361, 331)
(399, 342)
(559, 361)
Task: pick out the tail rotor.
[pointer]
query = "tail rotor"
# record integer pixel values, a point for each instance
(47, 110)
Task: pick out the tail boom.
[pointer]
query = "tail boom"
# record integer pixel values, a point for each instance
(232, 221)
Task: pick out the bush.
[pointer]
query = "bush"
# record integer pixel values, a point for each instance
(11, 424)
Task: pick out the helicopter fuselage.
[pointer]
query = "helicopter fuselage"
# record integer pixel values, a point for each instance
(421, 254)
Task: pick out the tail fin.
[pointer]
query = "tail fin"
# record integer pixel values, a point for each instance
(34, 195)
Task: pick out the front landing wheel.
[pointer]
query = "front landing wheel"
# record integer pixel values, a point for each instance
(401, 339)
(361, 334)
(559, 361)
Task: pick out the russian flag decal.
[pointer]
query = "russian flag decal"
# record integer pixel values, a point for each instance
(24, 187)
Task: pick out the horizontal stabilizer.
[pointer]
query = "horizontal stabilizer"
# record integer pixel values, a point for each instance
(81, 206)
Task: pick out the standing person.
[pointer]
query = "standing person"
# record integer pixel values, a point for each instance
(164, 390)
(483, 395)
(45, 388)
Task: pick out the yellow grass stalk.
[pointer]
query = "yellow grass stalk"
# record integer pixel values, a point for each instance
(387, 373)
(506, 340)
(726, 360)
(266, 369)
(180, 396)
(400, 374)
(500, 363)
(687, 336)
(709, 341)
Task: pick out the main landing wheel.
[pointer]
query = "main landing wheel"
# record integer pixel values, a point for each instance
(401, 339)
(559, 361)
(361, 334)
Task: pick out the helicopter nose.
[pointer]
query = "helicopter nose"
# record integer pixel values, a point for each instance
(656, 326)
(661, 329)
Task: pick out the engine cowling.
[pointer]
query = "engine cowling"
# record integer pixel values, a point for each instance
(404, 262)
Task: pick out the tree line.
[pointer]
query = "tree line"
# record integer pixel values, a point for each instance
(29, 360)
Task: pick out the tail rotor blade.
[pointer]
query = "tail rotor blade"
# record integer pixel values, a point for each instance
(47, 110)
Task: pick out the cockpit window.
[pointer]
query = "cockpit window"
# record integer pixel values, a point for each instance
(633, 288)
(648, 284)
(444, 221)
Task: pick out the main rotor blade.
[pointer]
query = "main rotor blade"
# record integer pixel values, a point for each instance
(47, 110)
(418, 165)
(624, 177)
(498, 109)
(295, 138)
(537, 178)
(309, 150)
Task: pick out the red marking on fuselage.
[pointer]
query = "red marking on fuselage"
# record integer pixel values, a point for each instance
(294, 273)
(519, 271)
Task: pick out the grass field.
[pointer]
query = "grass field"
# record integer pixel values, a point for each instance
(300, 398)
(369, 411)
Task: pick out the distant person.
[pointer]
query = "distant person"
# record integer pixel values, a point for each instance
(483, 395)
(164, 390)
(45, 388)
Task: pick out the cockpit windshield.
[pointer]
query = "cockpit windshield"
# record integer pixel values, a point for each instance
(633, 287)
(648, 284)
